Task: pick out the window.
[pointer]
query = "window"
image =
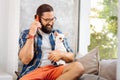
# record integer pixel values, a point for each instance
(103, 26)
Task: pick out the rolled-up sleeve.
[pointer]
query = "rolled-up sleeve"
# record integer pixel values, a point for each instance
(23, 38)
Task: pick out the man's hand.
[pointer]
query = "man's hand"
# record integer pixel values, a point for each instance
(34, 26)
(55, 55)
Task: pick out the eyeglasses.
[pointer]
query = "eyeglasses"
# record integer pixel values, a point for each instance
(49, 20)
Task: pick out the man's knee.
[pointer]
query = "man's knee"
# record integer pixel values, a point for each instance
(78, 67)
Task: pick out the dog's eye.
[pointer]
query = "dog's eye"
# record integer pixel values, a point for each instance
(60, 38)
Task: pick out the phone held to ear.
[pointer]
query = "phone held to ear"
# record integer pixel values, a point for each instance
(37, 19)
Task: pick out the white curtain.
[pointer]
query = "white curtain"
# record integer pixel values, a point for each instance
(118, 64)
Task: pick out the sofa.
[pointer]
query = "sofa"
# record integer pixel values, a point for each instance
(96, 69)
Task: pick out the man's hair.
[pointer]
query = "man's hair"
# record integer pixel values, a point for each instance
(43, 8)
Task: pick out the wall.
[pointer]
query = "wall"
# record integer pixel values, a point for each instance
(13, 34)
(9, 31)
(3, 34)
(65, 11)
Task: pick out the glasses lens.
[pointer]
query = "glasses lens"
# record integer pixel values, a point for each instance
(48, 20)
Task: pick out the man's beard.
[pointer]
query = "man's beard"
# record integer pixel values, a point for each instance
(47, 28)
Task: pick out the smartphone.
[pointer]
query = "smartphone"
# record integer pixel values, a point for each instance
(37, 19)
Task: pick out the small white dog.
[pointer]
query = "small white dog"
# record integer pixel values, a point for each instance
(59, 38)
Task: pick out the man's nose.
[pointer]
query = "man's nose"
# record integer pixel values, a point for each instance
(51, 22)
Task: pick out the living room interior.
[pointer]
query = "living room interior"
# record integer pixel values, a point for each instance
(15, 17)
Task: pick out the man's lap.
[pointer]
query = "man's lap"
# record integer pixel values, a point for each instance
(44, 73)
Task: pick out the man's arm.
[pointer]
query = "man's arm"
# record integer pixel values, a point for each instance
(68, 57)
(26, 53)
(57, 55)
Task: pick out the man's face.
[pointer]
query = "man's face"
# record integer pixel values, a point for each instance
(47, 21)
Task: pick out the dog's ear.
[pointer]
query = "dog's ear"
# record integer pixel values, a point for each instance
(56, 33)
(66, 34)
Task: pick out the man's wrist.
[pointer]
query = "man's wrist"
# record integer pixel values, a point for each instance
(30, 36)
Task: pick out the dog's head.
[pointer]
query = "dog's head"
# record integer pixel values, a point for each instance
(59, 37)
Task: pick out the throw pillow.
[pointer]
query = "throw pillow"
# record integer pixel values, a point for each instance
(90, 61)
(108, 69)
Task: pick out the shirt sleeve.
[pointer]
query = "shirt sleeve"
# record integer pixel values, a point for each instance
(67, 45)
(23, 38)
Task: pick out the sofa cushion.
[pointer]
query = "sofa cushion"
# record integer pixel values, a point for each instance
(108, 69)
(91, 77)
(91, 61)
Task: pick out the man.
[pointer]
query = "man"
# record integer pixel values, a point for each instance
(37, 51)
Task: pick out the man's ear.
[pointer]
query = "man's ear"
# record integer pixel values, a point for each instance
(37, 17)
(56, 33)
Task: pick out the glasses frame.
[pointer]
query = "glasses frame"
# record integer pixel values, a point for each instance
(48, 20)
